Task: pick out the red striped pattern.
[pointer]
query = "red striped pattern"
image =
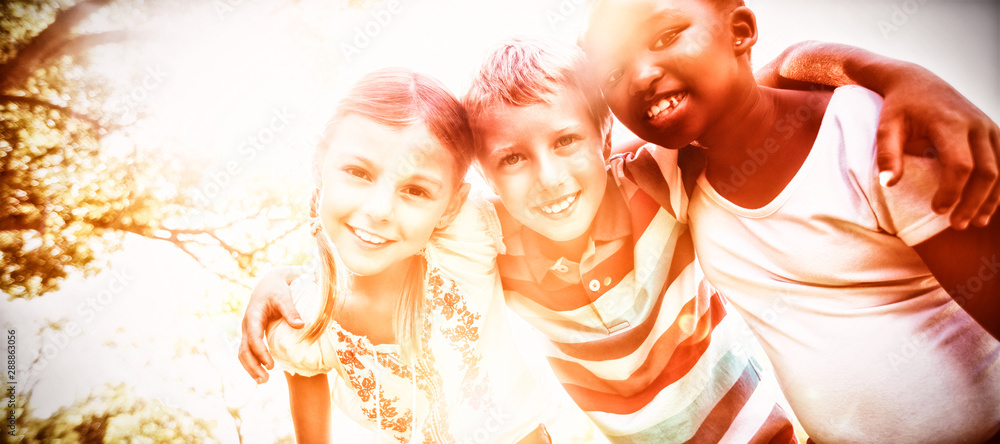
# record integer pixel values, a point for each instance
(669, 360)
(643, 259)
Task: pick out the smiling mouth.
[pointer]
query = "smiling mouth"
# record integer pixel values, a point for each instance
(368, 237)
(666, 105)
(560, 205)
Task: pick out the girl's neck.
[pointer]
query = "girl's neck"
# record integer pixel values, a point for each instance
(384, 287)
(371, 304)
(755, 149)
(746, 123)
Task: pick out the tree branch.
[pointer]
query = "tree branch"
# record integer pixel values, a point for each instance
(31, 101)
(78, 44)
(183, 247)
(22, 222)
(46, 45)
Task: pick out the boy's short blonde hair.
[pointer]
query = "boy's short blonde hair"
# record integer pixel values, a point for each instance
(522, 72)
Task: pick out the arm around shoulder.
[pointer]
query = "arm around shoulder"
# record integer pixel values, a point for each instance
(292, 351)
(270, 300)
(920, 110)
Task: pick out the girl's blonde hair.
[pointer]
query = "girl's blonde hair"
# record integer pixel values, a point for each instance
(397, 98)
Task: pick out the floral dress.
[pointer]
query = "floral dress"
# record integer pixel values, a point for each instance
(449, 394)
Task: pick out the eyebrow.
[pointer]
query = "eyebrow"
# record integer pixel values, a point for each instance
(645, 25)
(571, 128)
(364, 161)
(661, 12)
(502, 151)
(429, 180)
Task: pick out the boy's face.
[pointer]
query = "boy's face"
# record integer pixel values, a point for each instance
(546, 162)
(665, 66)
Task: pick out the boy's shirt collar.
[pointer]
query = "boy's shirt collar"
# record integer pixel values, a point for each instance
(613, 220)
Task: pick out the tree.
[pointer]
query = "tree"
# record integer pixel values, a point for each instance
(113, 413)
(65, 197)
(80, 179)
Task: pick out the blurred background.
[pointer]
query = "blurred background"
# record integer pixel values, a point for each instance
(155, 158)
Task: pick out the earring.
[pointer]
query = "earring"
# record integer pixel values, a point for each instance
(739, 42)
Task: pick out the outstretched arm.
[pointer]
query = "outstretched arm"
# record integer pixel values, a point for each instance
(271, 299)
(309, 399)
(920, 110)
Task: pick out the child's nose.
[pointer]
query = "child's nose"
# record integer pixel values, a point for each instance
(379, 203)
(550, 172)
(645, 76)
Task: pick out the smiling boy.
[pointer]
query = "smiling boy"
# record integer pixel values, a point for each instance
(599, 260)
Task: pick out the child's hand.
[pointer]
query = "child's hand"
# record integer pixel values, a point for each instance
(920, 110)
(271, 299)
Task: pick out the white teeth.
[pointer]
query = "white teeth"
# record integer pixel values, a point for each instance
(369, 237)
(560, 205)
(664, 105)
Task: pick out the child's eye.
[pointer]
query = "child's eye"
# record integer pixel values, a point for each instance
(566, 140)
(511, 159)
(416, 192)
(664, 39)
(357, 172)
(615, 75)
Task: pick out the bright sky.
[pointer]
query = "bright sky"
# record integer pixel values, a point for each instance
(226, 76)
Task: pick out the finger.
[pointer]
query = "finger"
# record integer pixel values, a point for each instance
(993, 201)
(253, 336)
(981, 182)
(250, 363)
(956, 159)
(287, 309)
(889, 150)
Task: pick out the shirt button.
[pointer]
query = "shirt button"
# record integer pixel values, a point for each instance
(607, 281)
(595, 285)
(562, 268)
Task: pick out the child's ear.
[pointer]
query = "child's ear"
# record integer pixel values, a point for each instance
(455, 206)
(743, 23)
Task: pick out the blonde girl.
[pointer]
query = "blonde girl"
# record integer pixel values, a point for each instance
(406, 302)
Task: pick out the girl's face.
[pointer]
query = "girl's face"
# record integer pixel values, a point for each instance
(383, 192)
(667, 67)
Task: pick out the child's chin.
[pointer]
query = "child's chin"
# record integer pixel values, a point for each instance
(566, 231)
(360, 268)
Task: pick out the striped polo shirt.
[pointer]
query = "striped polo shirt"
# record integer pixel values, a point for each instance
(642, 343)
